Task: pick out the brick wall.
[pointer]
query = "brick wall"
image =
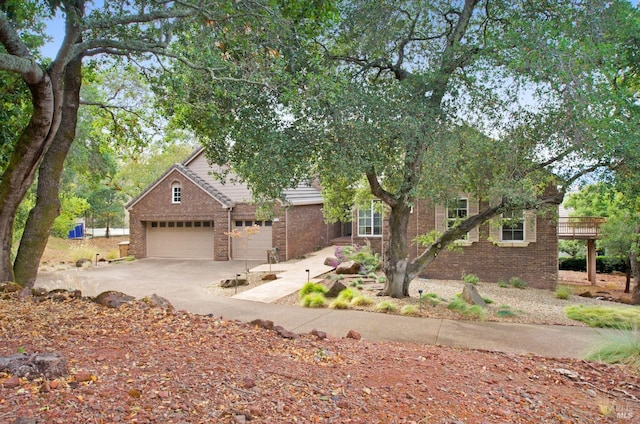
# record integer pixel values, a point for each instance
(195, 205)
(536, 264)
(306, 230)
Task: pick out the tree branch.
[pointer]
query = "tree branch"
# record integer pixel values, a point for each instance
(378, 191)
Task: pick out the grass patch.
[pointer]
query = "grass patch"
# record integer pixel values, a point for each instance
(346, 295)
(386, 306)
(476, 311)
(361, 301)
(517, 282)
(410, 310)
(309, 288)
(503, 284)
(619, 347)
(487, 300)
(339, 304)
(505, 311)
(432, 299)
(470, 278)
(82, 251)
(563, 292)
(458, 305)
(617, 317)
(112, 254)
(314, 300)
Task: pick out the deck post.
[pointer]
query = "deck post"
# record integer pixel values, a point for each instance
(591, 261)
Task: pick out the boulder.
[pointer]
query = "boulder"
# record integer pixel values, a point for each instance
(113, 299)
(321, 335)
(353, 334)
(269, 277)
(156, 301)
(331, 261)
(471, 296)
(284, 333)
(335, 289)
(36, 365)
(83, 263)
(349, 267)
(262, 323)
(233, 282)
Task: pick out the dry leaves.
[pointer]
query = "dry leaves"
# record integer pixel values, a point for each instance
(145, 365)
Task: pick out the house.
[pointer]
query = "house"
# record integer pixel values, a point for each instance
(523, 244)
(187, 213)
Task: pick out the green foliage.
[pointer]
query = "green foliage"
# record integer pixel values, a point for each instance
(622, 318)
(72, 207)
(83, 251)
(517, 282)
(470, 279)
(432, 299)
(369, 260)
(112, 254)
(346, 295)
(314, 300)
(573, 248)
(361, 301)
(312, 288)
(410, 310)
(505, 311)
(462, 307)
(458, 305)
(503, 284)
(487, 300)
(563, 292)
(339, 304)
(476, 311)
(604, 264)
(619, 347)
(386, 306)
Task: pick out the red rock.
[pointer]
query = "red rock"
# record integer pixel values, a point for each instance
(353, 334)
(11, 382)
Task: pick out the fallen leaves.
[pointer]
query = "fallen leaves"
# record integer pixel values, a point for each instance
(142, 364)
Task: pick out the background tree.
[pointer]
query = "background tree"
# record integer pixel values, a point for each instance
(139, 32)
(423, 100)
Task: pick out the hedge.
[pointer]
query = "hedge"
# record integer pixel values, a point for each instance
(604, 264)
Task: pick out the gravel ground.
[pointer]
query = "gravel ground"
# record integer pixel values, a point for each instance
(530, 306)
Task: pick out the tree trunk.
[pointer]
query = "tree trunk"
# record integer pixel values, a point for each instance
(25, 159)
(397, 253)
(47, 208)
(627, 283)
(635, 268)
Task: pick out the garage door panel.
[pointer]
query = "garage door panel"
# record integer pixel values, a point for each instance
(180, 242)
(257, 245)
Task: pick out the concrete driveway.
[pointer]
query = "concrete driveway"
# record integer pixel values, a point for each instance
(182, 281)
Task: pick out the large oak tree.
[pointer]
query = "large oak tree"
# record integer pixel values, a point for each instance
(424, 99)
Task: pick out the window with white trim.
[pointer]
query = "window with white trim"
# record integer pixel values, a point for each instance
(176, 193)
(512, 226)
(457, 210)
(369, 221)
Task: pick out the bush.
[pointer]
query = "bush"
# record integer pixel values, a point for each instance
(361, 301)
(83, 251)
(309, 288)
(410, 310)
(517, 282)
(112, 254)
(563, 292)
(432, 299)
(314, 300)
(505, 311)
(470, 279)
(619, 317)
(604, 264)
(476, 311)
(503, 284)
(457, 304)
(339, 304)
(620, 347)
(386, 306)
(364, 255)
(346, 295)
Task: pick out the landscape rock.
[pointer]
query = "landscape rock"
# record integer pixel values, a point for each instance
(113, 299)
(83, 263)
(233, 282)
(586, 294)
(335, 289)
(353, 334)
(36, 365)
(262, 323)
(349, 267)
(269, 277)
(159, 302)
(284, 333)
(331, 261)
(9, 287)
(471, 296)
(319, 334)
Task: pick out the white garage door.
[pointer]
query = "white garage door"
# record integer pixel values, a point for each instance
(256, 245)
(190, 239)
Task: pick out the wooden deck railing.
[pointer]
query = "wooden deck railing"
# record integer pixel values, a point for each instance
(580, 227)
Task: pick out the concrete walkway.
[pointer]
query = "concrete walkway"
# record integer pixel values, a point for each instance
(293, 276)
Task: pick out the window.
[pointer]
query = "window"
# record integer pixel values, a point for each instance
(176, 193)
(370, 221)
(512, 226)
(457, 210)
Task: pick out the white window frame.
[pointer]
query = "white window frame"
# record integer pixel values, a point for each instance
(176, 193)
(522, 229)
(373, 217)
(451, 220)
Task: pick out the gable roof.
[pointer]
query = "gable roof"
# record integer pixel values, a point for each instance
(224, 200)
(229, 192)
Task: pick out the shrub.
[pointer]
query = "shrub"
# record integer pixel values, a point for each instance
(364, 255)
(517, 282)
(432, 299)
(487, 300)
(339, 304)
(458, 305)
(505, 311)
(476, 311)
(83, 251)
(604, 264)
(503, 284)
(112, 254)
(620, 347)
(386, 306)
(314, 300)
(409, 310)
(622, 318)
(312, 288)
(346, 295)
(563, 292)
(361, 301)
(381, 279)
(470, 279)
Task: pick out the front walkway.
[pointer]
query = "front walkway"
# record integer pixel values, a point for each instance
(293, 276)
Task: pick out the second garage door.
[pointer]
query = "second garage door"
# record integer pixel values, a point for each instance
(180, 239)
(257, 244)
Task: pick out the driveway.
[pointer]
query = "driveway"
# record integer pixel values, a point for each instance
(182, 281)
